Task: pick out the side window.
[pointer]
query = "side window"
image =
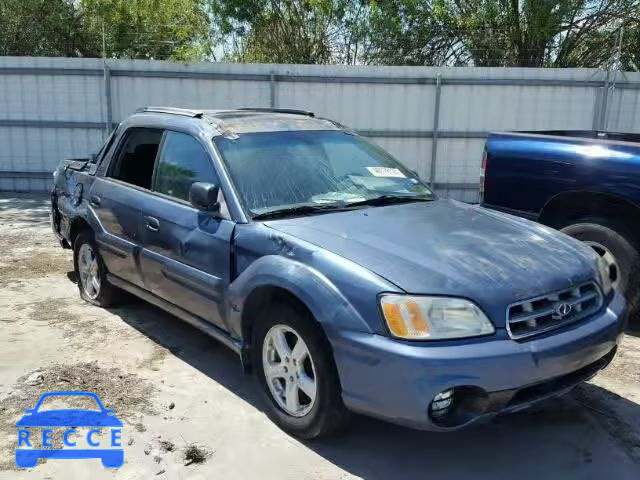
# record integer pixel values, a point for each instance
(183, 161)
(136, 158)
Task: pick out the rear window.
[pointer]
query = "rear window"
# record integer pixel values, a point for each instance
(136, 158)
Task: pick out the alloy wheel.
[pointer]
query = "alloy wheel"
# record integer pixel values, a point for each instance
(89, 271)
(289, 370)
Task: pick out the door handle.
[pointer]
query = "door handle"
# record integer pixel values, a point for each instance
(152, 224)
(95, 200)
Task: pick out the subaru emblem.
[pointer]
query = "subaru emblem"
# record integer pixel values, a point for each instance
(562, 310)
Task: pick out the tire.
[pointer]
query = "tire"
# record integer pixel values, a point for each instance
(603, 234)
(104, 294)
(321, 416)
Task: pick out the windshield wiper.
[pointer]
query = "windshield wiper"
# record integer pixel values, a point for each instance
(340, 206)
(301, 210)
(389, 200)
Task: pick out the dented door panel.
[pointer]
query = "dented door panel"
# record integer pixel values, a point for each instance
(185, 257)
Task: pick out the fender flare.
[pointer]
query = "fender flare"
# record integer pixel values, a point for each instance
(325, 302)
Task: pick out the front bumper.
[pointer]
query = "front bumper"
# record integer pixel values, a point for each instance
(397, 381)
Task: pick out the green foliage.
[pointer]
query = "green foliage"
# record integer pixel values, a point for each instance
(164, 29)
(531, 33)
(410, 32)
(630, 49)
(167, 29)
(291, 31)
(38, 27)
(527, 33)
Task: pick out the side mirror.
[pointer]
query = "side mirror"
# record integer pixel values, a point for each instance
(204, 196)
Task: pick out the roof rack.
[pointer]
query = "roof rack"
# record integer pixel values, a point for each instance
(172, 110)
(279, 110)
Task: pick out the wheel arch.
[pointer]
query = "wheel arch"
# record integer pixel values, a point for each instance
(77, 225)
(272, 278)
(566, 207)
(260, 299)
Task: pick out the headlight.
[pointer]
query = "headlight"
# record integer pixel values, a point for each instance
(605, 276)
(433, 318)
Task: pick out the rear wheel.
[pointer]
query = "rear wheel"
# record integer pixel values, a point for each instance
(620, 250)
(295, 373)
(91, 273)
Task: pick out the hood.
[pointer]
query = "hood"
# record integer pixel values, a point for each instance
(450, 248)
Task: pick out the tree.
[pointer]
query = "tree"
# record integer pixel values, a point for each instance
(525, 33)
(411, 32)
(38, 27)
(630, 49)
(291, 31)
(164, 29)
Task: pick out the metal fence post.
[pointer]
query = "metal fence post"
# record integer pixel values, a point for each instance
(272, 89)
(107, 99)
(434, 136)
(604, 104)
(596, 108)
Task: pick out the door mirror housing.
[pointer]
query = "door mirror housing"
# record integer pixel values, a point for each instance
(204, 196)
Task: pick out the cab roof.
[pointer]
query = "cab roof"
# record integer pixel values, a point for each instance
(248, 120)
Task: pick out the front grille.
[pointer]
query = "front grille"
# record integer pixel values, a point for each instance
(554, 310)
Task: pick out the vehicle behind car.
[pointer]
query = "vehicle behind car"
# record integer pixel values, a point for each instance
(338, 276)
(584, 183)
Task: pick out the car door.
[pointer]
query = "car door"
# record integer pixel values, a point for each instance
(117, 198)
(185, 257)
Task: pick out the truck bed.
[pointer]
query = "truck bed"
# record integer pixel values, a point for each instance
(524, 171)
(587, 134)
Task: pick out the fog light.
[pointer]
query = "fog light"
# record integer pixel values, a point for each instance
(442, 403)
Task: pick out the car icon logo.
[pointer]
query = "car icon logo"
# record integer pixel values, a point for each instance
(71, 419)
(562, 310)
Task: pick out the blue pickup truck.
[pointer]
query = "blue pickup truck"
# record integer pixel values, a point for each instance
(584, 183)
(341, 280)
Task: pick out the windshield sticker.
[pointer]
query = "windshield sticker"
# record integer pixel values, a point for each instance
(380, 184)
(386, 172)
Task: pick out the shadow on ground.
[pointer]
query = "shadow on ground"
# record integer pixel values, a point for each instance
(634, 328)
(33, 208)
(574, 435)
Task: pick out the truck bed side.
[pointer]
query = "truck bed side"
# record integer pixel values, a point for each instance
(72, 179)
(525, 171)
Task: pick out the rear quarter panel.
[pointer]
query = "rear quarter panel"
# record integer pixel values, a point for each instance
(68, 198)
(524, 171)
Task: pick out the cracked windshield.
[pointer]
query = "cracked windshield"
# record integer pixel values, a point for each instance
(311, 170)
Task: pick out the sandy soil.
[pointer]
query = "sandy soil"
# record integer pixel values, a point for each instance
(190, 412)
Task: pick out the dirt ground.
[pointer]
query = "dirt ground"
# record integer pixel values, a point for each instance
(190, 413)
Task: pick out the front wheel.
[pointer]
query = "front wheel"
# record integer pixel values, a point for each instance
(296, 374)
